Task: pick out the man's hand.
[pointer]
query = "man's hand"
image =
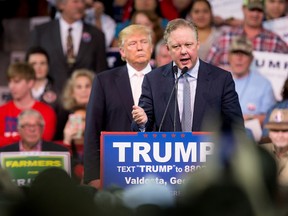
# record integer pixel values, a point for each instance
(139, 115)
(95, 183)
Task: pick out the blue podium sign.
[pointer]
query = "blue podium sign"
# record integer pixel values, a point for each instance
(131, 158)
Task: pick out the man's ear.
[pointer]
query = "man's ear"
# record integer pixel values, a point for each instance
(31, 83)
(152, 48)
(167, 47)
(122, 53)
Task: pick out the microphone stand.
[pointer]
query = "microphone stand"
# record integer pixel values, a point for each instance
(175, 70)
(175, 105)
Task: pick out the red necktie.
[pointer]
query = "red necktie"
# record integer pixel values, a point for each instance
(70, 51)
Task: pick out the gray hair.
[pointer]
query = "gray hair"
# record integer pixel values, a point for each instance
(30, 112)
(159, 45)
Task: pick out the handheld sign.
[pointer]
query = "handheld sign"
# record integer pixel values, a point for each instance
(274, 66)
(25, 166)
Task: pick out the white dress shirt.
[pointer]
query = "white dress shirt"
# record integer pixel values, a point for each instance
(76, 34)
(136, 79)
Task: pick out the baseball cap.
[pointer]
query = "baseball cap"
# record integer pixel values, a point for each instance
(241, 44)
(254, 4)
(278, 120)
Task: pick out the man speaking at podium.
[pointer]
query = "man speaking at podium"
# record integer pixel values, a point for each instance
(203, 91)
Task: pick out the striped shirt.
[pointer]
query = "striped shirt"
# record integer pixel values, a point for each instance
(265, 41)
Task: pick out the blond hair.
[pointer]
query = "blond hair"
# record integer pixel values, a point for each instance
(134, 29)
(68, 101)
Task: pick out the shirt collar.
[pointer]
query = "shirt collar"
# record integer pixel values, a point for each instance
(37, 147)
(193, 72)
(76, 25)
(284, 155)
(132, 71)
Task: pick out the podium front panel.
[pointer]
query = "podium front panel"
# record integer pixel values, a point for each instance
(131, 158)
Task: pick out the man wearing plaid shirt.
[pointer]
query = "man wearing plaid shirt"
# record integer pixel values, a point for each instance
(262, 39)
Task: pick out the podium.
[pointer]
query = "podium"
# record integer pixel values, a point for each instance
(133, 158)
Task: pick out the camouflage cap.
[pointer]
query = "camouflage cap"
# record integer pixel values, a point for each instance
(241, 44)
(254, 4)
(278, 120)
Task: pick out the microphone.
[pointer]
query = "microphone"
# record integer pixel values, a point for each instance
(175, 70)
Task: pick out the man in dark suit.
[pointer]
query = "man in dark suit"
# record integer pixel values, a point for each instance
(113, 94)
(213, 99)
(87, 47)
(30, 128)
(45, 146)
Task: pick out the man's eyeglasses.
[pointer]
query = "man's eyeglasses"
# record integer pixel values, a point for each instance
(31, 126)
(278, 131)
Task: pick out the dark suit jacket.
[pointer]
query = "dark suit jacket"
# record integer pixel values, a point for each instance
(215, 99)
(91, 55)
(46, 146)
(109, 109)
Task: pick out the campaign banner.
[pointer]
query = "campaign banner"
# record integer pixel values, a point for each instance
(131, 158)
(278, 26)
(227, 8)
(273, 66)
(23, 167)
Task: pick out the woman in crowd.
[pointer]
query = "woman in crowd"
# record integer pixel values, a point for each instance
(75, 93)
(152, 21)
(78, 88)
(74, 139)
(43, 89)
(201, 15)
(71, 120)
(172, 9)
(275, 9)
(141, 5)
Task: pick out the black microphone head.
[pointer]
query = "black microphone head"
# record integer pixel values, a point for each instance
(184, 70)
(175, 69)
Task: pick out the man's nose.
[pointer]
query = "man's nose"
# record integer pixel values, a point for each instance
(139, 46)
(183, 50)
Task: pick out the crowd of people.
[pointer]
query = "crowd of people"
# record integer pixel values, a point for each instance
(67, 91)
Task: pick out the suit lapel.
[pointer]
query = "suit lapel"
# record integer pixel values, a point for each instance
(123, 87)
(169, 75)
(57, 38)
(44, 146)
(83, 45)
(203, 86)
